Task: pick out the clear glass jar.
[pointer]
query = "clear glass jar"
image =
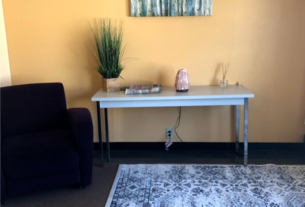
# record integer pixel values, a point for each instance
(223, 83)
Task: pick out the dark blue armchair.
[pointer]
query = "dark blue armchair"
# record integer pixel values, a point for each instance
(43, 144)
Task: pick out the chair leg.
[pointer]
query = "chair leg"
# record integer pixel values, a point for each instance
(80, 186)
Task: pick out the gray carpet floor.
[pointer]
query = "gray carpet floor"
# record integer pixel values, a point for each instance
(96, 195)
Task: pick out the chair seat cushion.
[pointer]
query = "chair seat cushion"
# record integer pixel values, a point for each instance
(39, 154)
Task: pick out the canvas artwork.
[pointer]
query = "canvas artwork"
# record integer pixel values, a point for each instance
(150, 8)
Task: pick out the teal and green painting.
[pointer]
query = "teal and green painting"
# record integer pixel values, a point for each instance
(151, 8)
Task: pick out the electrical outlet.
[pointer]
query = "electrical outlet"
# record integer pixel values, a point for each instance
(169, 133)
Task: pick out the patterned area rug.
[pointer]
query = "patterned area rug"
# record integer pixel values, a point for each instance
(163, 185)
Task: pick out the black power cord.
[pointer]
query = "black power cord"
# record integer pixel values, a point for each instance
(178, 124)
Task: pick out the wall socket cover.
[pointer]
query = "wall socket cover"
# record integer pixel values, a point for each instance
(169, 133)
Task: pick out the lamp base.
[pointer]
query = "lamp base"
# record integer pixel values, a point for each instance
(185, 90)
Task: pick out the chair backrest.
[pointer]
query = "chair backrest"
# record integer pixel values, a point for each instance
(32, 108)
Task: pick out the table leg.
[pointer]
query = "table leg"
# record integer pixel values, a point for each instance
(246, 132)
(237, 128)
(100, 139)
(107, 134)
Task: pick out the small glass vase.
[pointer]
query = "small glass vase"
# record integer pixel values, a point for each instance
(223, 83)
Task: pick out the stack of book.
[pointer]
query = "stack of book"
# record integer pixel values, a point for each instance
(143, 89)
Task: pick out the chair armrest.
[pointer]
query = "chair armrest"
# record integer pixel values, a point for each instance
(2, 182)
(82, 128)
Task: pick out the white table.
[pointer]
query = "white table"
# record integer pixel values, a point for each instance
(196, 96)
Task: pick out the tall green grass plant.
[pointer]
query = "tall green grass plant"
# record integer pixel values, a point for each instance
(108, 50)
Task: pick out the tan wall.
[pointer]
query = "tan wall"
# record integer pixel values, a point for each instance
(263, 40)
(5, 73)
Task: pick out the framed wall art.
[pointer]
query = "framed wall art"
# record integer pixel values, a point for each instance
(151, 8)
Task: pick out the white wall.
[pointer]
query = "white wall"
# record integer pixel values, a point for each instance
(5, 72)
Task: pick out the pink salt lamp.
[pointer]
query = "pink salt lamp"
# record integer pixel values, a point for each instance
(182, 82)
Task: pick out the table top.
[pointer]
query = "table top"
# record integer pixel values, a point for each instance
(169, 93)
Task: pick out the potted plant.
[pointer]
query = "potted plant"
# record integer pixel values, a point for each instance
(108, 52)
